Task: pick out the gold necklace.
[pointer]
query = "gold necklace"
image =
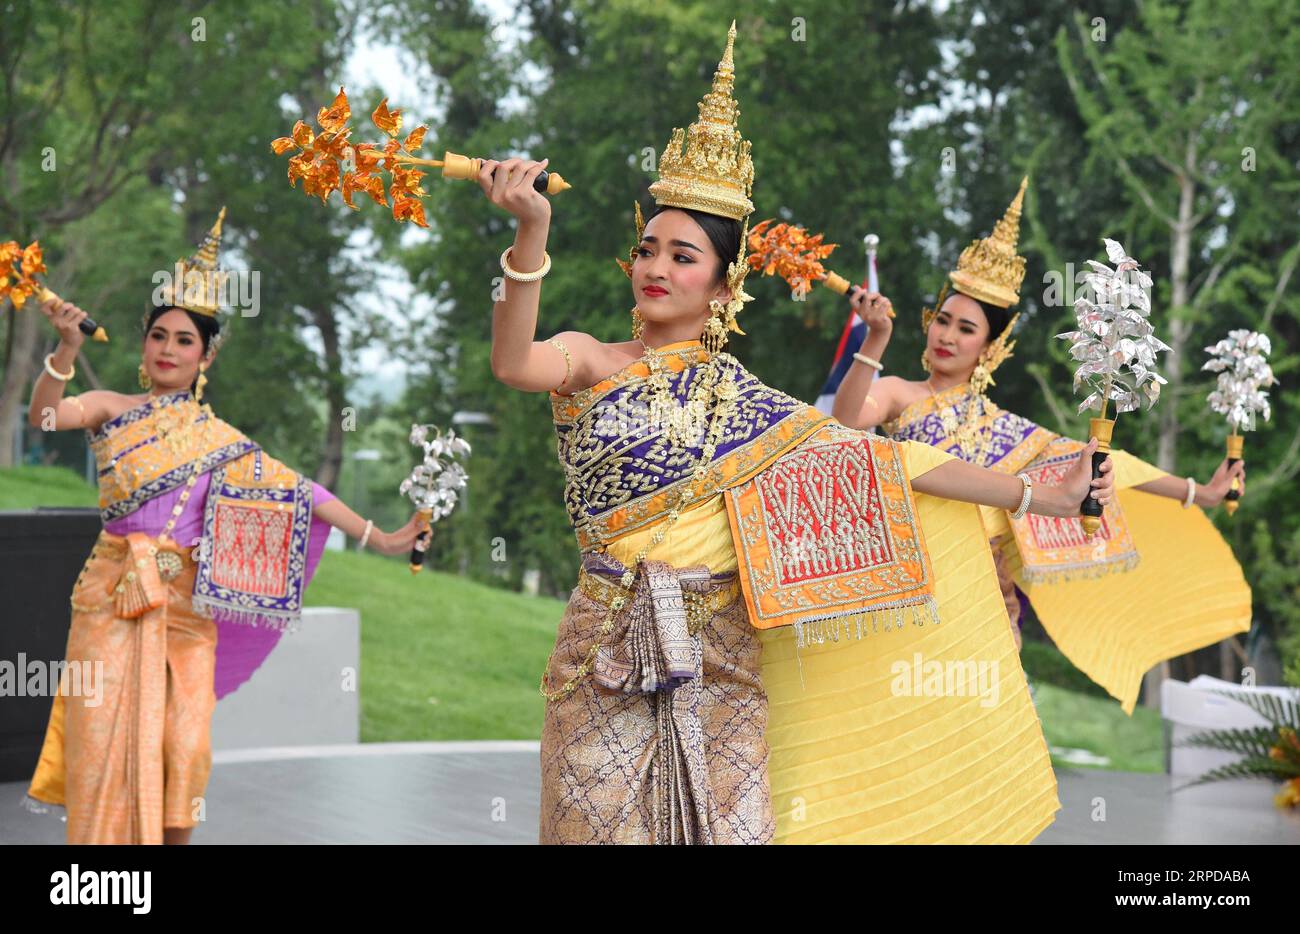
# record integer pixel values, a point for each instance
(969, 431)
(683, 424)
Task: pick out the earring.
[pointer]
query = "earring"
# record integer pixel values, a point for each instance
(715, 331)
(925, 361)
(202, 381)
(145, 381)
(638, 323)
(981, 377)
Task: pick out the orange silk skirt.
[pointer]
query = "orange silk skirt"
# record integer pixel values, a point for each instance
(135, 758)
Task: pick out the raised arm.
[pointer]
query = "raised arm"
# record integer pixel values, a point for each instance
(863, 400)
(956, 479)
(518, 360)
(88, 410)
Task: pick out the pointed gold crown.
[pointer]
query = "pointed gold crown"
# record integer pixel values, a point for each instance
(989, 270)
(196, 285)
(708, 168)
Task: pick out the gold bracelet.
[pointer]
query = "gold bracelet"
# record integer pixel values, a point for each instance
(61, 377)
(873, 401)
(874, 364)
(568, 360)
(76, 400)
(1028, 495)
(525, 276)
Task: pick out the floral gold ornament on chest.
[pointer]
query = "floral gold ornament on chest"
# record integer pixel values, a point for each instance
(329, 161)
(1239, 394)
(1115, 347)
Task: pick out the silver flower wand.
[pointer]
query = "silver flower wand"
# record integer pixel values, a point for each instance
(1239, 395)
(1116, 349)
(435, 484)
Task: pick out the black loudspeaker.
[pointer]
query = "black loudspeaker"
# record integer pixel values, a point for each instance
(41, 553)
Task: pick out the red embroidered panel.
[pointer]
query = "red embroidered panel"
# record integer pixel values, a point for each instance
(252, 549)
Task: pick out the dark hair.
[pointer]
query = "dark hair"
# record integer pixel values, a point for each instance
(723, 233)
(996, 317)
(207, 326)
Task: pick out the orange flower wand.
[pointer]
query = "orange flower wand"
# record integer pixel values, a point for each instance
(329, 161)
(19, 267)
(788, 251)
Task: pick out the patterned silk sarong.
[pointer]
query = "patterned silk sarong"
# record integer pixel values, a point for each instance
(135, 757)
(664, 744)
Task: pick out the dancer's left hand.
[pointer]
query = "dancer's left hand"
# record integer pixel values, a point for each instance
(401, 541)
(1211, 494)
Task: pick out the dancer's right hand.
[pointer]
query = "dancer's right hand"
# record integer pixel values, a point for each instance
(65, 317)
(874, 309)
(512, 188)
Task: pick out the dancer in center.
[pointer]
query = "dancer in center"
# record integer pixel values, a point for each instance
(749, 653)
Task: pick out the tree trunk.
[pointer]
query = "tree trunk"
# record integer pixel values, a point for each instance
(331, 464)
(1180, 331)
(17, 379)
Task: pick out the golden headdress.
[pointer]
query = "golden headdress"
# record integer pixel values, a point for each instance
(989, 270)
(708, 168)
(197, 283)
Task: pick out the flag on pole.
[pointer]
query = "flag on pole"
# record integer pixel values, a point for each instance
(851, 338)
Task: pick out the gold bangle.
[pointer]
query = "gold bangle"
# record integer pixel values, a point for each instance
(61, 377)
(76, 400)
(1028, 495)
(874, 364)
(568, 360)
(525, 276)
(873, 401)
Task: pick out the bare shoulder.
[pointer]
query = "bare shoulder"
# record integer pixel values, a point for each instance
(101, 405)
(908, 391)
(595, 360)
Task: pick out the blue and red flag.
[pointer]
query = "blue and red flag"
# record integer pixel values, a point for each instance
(855, 332)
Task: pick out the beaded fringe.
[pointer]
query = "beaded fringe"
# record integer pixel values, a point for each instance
(282, 620)
(1074, 572)
(860, 625)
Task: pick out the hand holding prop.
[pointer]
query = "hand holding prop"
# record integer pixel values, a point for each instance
(19, 267)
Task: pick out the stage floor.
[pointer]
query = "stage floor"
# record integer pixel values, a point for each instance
(488, 793)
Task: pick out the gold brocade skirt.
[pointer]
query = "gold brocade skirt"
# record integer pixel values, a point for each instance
(686, 765)
(137, 760)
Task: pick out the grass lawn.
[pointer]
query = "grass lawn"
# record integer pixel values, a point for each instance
(29, 487)
(442, 657)
(445, 658)
(1078, 721)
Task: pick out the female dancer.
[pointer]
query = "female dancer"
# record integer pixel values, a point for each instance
(731, 535)
(1187, 590)
(204, 534)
